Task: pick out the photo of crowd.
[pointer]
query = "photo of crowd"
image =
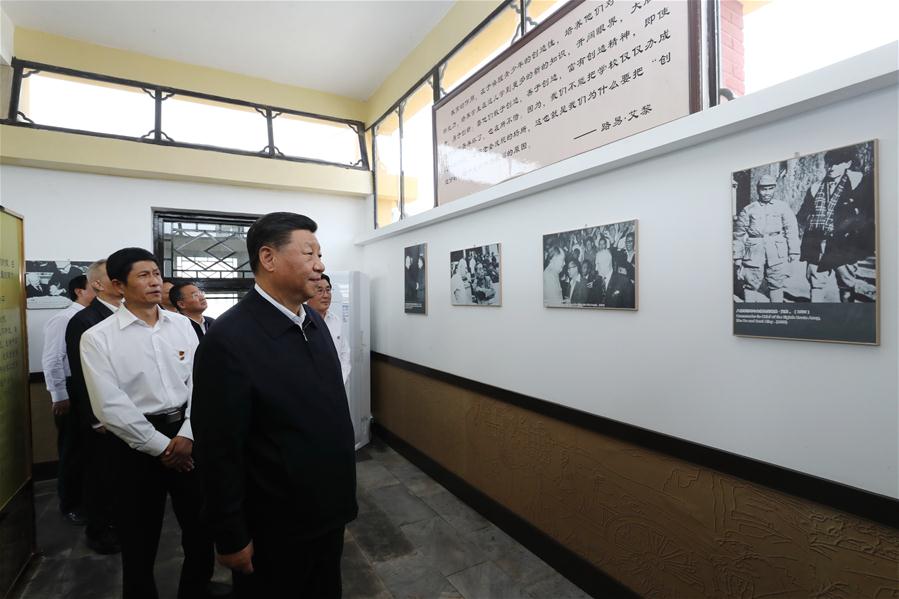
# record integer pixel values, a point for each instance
(594, 267)
(415, 279)
(47, 281)
(475, 276)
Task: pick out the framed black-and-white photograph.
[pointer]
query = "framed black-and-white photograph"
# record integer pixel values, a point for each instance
(476, 276)
(47, 281)
(593, 267)
(415, 278)
(805, 247)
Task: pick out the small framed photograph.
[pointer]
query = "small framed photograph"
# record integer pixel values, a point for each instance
(593, 267)
(476, 276)
(416, 279)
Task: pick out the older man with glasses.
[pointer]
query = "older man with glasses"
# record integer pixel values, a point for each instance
(321, 303)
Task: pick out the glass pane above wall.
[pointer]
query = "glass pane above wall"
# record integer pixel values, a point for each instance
(418, 151)
(191, 120)
(766, 42)
(486, 45)
(60, 101)
(539, 10)
(387, 170)
(304, 137)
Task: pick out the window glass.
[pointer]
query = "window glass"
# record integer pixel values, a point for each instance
(418, 151)
(304, 137)
(387, 169)
(763, 43)
(486, 45)
(539, 10)
(202, 250)
(205, 122)
(217, 302)
(60, 101)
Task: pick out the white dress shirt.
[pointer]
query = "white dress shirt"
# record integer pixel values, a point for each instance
(54, 360)
(335, 327)
(132, 369)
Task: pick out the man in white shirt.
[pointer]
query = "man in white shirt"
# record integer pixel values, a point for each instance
(138, 370)
(56, 374)
(321, 304)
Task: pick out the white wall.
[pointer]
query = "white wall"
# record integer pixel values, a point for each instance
(76, 216)
(673, 366)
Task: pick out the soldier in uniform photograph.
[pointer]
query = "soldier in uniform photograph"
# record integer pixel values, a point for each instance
(766, 240)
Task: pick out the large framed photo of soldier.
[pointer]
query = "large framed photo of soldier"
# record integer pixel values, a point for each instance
(476, 276)
(416, 279)
(593, 267)
(805, 247)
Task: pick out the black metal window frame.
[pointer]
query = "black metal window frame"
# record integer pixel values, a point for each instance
(524, 28)
(433, 77)
(162, 215)
(159, 93)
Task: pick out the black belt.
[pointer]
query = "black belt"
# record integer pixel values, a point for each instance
(774, 234)
(171, 417)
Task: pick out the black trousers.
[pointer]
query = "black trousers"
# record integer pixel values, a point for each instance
(99, 476)
(70, 447)
(285, 568)
(141, 486)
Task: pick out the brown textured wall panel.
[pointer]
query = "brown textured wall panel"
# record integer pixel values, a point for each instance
(664, 527)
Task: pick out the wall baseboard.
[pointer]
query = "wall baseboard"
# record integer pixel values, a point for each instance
(578, 570)
(878, 508)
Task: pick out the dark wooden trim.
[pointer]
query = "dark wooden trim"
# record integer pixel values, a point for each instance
(571, 565)
(695, 45)
(875, 507)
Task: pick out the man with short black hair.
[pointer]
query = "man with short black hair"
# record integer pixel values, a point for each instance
(272, 425)
(137, 366)
(57, 374)
(191, 301)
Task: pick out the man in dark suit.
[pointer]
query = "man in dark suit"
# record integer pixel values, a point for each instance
(190, 300)
(97, 491)
(271, 425)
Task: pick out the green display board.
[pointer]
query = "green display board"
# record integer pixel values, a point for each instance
(14, 414)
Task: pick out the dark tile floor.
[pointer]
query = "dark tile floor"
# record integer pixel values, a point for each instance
(413, 539)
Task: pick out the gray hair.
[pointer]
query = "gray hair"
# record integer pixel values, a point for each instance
(95, 271)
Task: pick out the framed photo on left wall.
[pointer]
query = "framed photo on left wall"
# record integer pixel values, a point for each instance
(415, 279)
(47, 281)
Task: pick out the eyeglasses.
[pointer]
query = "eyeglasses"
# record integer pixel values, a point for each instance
(324, 291)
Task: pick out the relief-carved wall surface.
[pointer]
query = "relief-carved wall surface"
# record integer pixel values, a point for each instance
(662, 526)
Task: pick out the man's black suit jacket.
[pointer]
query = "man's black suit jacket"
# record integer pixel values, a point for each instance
(273, 438)
(94, 313)
(200, 329)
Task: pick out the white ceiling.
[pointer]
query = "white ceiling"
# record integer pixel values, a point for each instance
(343, 47)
